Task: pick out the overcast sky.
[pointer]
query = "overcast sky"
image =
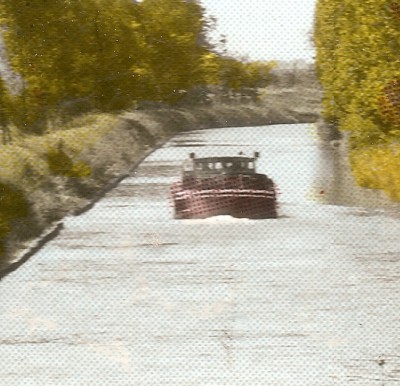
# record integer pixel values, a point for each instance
(265, 29)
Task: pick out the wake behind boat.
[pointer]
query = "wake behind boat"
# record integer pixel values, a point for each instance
(215, 186)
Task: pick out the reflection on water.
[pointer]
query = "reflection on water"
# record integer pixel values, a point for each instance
(335, 185)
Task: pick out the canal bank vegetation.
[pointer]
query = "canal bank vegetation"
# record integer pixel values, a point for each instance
(358, 66)
(86, 88)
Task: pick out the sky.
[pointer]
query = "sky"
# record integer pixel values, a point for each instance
(265, 29)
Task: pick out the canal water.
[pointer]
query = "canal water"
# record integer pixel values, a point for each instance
(126, 295)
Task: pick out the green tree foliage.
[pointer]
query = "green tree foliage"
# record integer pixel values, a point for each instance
(109, 54)
(66, 50)
(118, 48)
(237, 75)
(173, 31)
(358, 63)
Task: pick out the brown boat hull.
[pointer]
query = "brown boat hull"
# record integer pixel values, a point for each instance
(224, 186)
(240, 203)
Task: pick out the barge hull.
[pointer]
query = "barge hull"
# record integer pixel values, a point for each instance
(240, 204)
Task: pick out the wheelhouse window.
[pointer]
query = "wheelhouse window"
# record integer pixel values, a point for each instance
(228, 165)
(203, 166)
(222, 165)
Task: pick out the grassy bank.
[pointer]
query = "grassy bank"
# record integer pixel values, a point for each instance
(44, 178)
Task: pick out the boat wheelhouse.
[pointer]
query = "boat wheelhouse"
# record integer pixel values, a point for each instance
(214, 186)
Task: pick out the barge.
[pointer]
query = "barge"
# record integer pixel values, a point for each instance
(215, 186)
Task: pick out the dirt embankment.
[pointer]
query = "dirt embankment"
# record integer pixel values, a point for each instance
(110, 148)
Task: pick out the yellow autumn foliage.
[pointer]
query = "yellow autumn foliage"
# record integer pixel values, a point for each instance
(377, 167)
(358, 64)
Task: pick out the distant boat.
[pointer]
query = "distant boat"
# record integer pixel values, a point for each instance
(215, 186)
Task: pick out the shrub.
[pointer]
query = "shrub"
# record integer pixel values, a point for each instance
(13, 206)
(60, 163)
(13, 203)
(80, 170)
(376, 167)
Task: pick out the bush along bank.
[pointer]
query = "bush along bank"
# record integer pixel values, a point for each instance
(44, 178)
(377, 167)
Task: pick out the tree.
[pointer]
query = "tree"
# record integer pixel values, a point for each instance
(174, 32)
(67, 50)
(358, 65)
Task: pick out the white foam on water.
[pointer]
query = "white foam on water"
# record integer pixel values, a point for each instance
(217, 220)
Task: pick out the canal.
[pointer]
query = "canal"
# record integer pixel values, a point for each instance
(126, 295)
